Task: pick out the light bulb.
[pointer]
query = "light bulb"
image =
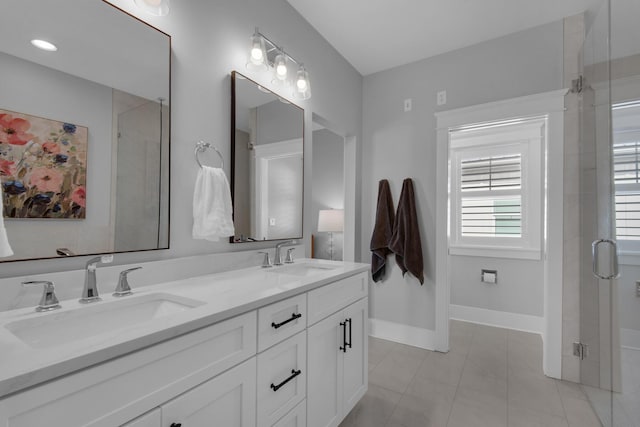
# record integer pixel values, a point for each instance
(303, 87)
(256, 54)
(280, 65)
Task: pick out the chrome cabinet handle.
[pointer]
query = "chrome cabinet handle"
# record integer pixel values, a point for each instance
(594, 259)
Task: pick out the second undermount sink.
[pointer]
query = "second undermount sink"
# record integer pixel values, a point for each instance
(59, 328)
(304, 269)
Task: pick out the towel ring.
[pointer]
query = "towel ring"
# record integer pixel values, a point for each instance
(202, 146)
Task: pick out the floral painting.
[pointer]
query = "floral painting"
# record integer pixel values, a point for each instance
(43, 167)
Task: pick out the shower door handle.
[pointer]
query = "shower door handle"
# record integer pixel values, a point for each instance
(594, 259)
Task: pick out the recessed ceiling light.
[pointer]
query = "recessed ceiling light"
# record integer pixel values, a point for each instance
(44, 45)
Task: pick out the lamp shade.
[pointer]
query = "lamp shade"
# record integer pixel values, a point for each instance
(331, 220)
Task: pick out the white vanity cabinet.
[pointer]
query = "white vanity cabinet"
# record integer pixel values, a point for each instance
(226, 400)
(338, 357)
(296, 362)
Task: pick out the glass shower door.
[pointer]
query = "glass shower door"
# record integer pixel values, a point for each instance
(610, 213)
(598, 247)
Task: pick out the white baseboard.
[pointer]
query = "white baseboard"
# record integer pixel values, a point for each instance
(501, 319)
(403, 334)
(630, 338)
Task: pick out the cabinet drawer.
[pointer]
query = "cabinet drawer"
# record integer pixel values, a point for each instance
(296, 418)
(282, 379)
(117, 391)
(281, 320)
(331, 298)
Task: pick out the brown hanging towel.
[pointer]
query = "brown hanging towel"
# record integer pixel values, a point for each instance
(382, 231)
(405, 241)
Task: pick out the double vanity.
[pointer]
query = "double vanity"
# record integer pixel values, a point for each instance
(257, 347)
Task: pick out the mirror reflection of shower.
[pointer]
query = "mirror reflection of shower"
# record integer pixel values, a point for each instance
(141, 192)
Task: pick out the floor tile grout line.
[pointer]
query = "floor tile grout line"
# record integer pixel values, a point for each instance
(455, 394)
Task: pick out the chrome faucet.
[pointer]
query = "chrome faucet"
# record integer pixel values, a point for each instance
(48, 301)
(90, 291)
(277, 259)
(123, 288)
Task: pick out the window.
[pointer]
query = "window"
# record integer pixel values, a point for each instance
(626, 173)
(496, 201)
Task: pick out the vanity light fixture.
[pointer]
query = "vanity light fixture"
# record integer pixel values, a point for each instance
(44, 45)
(265, 54)
(154, 7)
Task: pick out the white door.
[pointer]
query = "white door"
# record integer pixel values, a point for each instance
(150, 419)
(356, 360)
(227, 400)
(324, 382)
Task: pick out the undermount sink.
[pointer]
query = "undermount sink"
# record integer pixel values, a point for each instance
(304, 269)
(59, 328)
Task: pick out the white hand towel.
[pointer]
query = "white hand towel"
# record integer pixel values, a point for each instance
(212, 209)
(5, 248)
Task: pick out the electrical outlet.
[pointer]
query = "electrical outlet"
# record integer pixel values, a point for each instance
(408, 105)
(638, 288)
(272, 222)
(442, 97)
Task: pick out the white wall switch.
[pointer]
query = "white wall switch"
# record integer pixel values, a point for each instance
(272, 222)
(442, 97)
(408, 105)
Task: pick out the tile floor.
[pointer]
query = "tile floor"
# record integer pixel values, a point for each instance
(626, 407)
(491, 377)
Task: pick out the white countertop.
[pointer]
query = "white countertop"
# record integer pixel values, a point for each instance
(225, 295)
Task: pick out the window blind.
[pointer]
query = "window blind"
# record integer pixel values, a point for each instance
(485, 210)
(626, 162)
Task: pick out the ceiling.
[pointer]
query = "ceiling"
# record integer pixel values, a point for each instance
(375, 35)
(91, 37)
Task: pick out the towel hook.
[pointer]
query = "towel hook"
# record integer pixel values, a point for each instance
(202, 146)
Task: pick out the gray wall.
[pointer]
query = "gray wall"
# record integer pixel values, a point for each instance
(328, 173)
(399, 145)
(277, 122)
(210, 39)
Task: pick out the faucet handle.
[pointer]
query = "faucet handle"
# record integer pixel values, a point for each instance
(93, 262)
(289, 258)
(123, 287)
(49, 301)
(266, 262)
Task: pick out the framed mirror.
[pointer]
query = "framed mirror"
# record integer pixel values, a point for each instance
(267, 167)
(84, 130)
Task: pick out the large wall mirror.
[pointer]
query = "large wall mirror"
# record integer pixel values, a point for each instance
(84, 130)
(267, 146)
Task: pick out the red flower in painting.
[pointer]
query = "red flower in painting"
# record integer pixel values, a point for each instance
(51, 147)
(7, 168)
(79, 196)
(14, 131)
(46, 179)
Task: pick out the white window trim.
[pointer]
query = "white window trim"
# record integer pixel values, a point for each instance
(526, 139)
(552, 104)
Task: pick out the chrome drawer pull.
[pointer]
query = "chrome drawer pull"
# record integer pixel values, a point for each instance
(294, 374)
(293, 317)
